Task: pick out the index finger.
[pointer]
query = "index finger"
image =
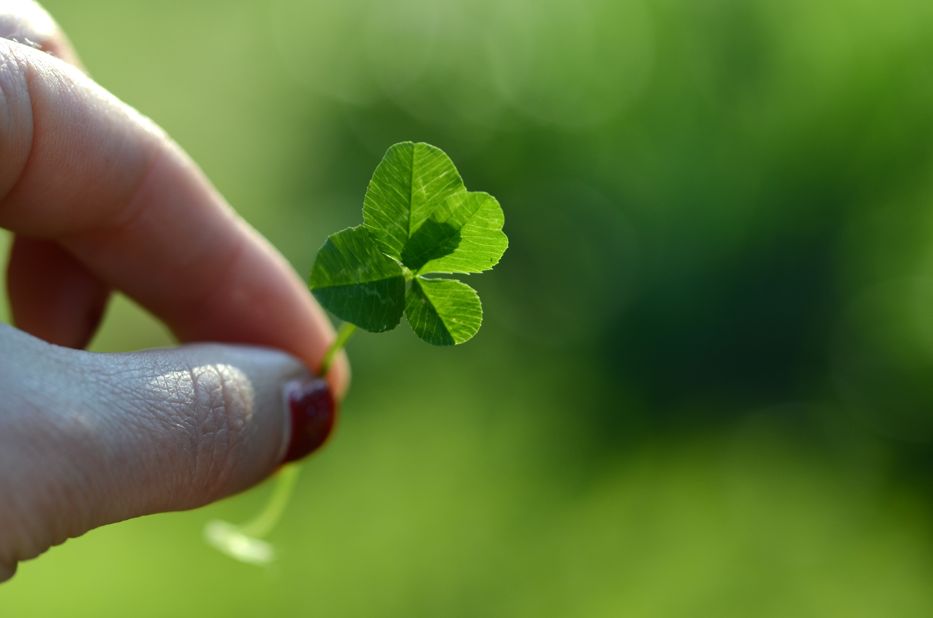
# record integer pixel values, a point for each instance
(82, 168)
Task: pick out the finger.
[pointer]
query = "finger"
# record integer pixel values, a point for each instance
(87, 171)
(28, 23)
(131, 434)
(52, 295)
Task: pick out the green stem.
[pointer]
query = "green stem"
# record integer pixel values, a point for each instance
(267, 519)
(270, 515)
(346, 330)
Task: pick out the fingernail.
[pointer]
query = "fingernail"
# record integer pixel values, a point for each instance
(313, 410)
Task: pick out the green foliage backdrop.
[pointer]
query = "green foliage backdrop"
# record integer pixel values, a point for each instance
(704, 384)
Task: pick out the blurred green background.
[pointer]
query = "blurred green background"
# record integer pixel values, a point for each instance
(704, 386)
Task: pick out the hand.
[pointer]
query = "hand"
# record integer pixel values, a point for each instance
(99, 199)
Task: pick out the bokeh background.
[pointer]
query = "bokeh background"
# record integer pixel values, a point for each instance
(704, 386)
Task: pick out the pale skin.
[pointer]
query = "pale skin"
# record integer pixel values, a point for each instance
(99, 199)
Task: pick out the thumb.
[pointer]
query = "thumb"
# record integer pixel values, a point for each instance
(89, 439)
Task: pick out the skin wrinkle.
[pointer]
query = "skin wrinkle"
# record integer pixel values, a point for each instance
(8, 132)
(218, 428)
(226, 412)
(162, 410)
(210, 406)
(167, 418)
(129, 413)
(82, 434)
(226, 427)
(34, 131)
(205, 407)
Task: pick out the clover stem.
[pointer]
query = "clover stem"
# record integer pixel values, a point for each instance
(269, 517)
(245, 542)
(346, 330)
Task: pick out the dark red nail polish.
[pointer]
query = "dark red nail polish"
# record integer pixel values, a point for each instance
(313, 412)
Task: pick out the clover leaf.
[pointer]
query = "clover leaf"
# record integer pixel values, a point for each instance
(359, 283)
(443, 311)
(418, 220)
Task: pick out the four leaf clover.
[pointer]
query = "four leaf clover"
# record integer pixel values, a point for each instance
(418, 220)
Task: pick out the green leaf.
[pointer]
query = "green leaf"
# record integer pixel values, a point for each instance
(411, 181)
(418, 218)
(443, 311)
(356, 282)
(475, 220)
